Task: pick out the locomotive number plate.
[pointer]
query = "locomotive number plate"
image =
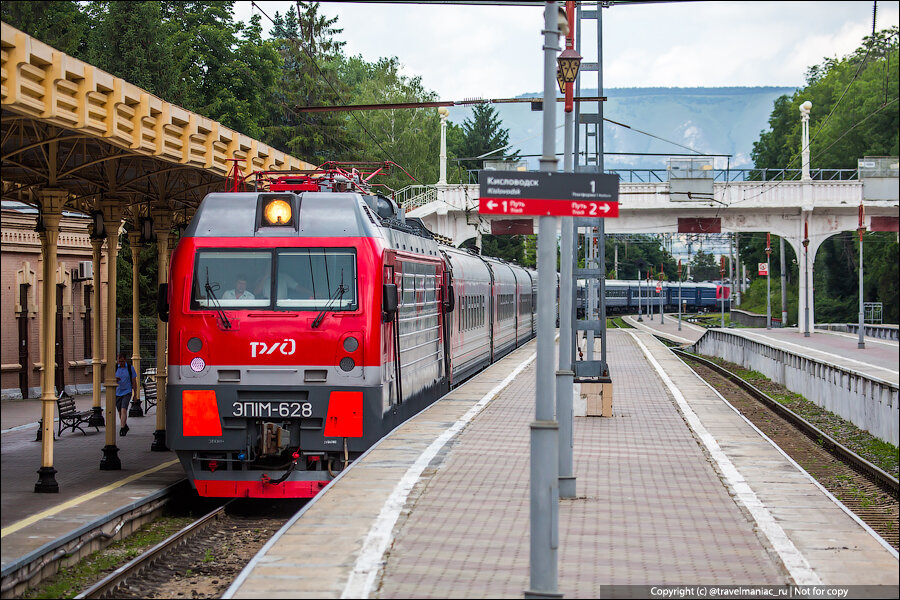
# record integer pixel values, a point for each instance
(283, 410)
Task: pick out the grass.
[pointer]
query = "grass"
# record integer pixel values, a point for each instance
(882, 454)
(71, 581)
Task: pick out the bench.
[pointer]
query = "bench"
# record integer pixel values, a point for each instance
(149, 385)
(70, 417)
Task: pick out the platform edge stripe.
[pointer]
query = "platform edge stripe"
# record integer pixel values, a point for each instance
(81, 499)
(806, 473)
(362, 577)
(793, 560)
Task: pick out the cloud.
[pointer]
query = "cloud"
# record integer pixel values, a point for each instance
(495, 51)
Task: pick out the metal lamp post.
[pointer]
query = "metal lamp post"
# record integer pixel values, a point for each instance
(649, 297)
(862, 340)
(568, 64)
(679, 294)
(444, 113)
(662, 301)
(640, 302)
(722, 286)
(768, 281)
(806, 278)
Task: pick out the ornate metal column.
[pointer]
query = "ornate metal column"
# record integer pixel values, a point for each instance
(162, 228)
(134, 240)
(52, 201)
(112, 221)
(97, 341)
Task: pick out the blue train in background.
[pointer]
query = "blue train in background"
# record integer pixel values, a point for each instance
(622, 296)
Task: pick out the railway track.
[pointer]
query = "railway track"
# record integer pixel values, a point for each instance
(869, 492)
(201, 560)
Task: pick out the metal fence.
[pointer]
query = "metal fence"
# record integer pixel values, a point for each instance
(872, 312)
(147, 339)
(725, 175)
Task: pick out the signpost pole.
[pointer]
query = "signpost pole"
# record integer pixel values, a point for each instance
(649, 296)
(544, 496)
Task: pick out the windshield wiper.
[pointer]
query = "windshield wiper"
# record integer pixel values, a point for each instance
(210, 293)
(337, 295)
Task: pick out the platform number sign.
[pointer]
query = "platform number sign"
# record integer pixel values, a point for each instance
(763, 268)
(548, 194)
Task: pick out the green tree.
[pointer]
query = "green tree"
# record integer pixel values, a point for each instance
(60, 24)
(704, 267)
(854, 115)
(481, 133)
(408, 136)
(637, 256)
(132, 41)
(224, 69)
(310, 76)
(854, 110)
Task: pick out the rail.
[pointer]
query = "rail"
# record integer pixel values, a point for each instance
(884, 480)
(33, 567)
(107, 586)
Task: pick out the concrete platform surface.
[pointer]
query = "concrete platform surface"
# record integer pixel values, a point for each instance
(676, 488)
(86, 493)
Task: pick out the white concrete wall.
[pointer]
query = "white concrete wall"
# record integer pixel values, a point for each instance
(867, 402)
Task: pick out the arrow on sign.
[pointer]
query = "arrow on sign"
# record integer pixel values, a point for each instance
(492, 205)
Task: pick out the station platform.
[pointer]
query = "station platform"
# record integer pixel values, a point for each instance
(676, 488)
(34, 523)
(668, 329)
(879, 359)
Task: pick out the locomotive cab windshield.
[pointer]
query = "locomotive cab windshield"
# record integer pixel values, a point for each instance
(305, 279)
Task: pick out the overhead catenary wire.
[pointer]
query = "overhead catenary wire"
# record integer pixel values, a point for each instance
(315, 64)
(821, 126)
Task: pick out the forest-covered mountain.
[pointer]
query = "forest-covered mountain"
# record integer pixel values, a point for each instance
(721, 120)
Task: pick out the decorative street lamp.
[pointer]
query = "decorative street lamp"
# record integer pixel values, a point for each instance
(768, 281)
(806, 277)
(679, 294)
(861, 229)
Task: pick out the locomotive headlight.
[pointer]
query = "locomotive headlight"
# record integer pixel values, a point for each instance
(277, 212)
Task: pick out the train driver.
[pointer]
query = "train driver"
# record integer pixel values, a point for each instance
(239, 292)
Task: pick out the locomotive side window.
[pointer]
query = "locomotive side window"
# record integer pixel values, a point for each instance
(316, 279)
(231, 279)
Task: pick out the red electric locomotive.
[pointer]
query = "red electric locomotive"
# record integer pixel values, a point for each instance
(309, 320)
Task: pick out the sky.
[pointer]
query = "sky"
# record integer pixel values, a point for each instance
(496, 51)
